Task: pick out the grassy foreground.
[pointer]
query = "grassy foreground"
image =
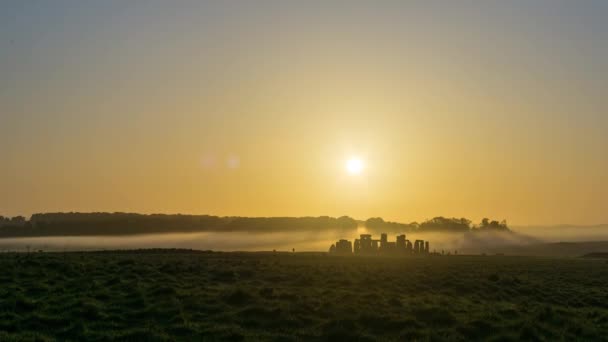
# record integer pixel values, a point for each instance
(173, 295)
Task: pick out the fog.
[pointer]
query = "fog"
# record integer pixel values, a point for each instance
(565, 233)
(232, 241)
(306, 240)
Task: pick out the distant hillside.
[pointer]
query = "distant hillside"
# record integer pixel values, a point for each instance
(88, 224)
(566, 232)
(558, 249)
(597, 255)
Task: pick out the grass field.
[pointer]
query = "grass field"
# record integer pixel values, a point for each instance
(174, 295)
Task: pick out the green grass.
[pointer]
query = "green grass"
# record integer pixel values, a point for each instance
(233, 296)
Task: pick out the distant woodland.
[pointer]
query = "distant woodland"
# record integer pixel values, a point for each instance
(78, 224)
(437, 224)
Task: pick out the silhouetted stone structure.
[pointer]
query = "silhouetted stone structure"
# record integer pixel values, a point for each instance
(344, 247)
(365, 245)
(419, 246)
(401, 242)
(383, 240)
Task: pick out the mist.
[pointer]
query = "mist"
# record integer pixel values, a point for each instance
(230, 241)
(301, 241)
(561, 233)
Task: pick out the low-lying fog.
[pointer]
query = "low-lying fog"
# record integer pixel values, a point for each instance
(231, 241)
(305, 241)
(565, 233)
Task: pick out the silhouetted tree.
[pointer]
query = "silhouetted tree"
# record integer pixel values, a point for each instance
(374, 223)
(487, 225)
(63, 224)
(442, 224)
(377, 224)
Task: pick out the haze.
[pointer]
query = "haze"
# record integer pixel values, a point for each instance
(474, 109)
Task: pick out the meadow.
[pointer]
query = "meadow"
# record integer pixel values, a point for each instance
(187, 295)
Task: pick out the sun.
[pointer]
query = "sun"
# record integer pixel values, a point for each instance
(354, 166)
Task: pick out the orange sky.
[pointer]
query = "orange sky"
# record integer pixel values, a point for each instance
(496, 110)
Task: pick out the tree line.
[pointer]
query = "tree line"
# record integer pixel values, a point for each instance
(66, 224)
(436, 224)
(74, 224)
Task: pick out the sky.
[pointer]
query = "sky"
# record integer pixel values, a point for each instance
(253, 108)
